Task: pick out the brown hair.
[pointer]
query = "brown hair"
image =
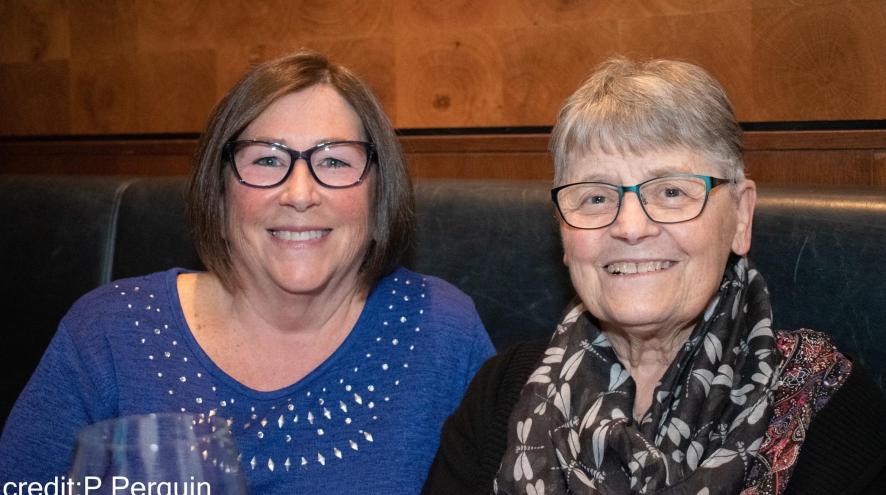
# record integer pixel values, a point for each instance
(392, 215)
(630, 107)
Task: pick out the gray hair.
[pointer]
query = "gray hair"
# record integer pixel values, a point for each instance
(628, 107)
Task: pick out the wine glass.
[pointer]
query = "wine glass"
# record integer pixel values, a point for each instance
(157, 453)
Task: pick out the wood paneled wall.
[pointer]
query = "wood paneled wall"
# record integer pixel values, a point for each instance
(786, 157)
(138, 66)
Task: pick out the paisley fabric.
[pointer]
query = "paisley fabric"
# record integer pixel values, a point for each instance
(572, 429)
(813, 371)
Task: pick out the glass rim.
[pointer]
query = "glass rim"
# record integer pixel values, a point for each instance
(95, 434)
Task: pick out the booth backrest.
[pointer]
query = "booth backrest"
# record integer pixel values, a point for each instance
(820, 250)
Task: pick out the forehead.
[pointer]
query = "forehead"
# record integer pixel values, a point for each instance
(306, 117)
(629, 169)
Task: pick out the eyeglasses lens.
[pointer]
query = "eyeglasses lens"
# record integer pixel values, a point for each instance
(665, 200)
(336, 164)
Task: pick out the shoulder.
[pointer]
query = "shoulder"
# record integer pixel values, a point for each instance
(437, 302)
(474, 438)
(501, 378)
(106, 306)
(811, 363)
(516, 363)
(495, 389)
(812, 342)
(436, 290)
(845, 446)
(445, 322)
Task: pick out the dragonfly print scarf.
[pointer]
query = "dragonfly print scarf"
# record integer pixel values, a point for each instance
(572, 431)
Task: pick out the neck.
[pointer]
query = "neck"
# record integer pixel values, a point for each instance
(646, 357)
(639, 351)
(326, 313)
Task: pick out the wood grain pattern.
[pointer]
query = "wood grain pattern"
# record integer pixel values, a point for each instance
(422, 17)
(453, 80)
(879, 167)
(371, 59)
(726, 51)
(556, 12)
(811, 167)
(531, 58)
(105, 95)
(158, 92)
(175, 90)
(102, 29)
(823, 62)
(434, 64)
(312, 19)
(173, 25)
(34, 31)
(34, 98)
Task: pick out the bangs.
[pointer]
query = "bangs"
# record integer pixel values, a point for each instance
(634, 114)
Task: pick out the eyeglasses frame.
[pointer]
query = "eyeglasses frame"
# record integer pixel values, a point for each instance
(710, 183)
(296, 155)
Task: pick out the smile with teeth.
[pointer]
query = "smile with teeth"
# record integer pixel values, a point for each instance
(628, 268)
(307, 235)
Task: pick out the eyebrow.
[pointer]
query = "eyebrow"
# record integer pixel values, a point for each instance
(316, 142)
(660, 171)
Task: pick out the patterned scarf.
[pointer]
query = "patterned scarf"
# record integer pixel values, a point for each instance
(572, 430)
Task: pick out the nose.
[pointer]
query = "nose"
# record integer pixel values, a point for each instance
(632, 223)
(300, 190)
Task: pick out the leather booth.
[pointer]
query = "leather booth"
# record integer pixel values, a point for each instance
(819, 248)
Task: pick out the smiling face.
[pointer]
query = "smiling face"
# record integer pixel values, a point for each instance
(644, 278)
(300, 237)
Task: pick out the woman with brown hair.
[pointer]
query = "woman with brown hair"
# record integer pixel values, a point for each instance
(334, 366)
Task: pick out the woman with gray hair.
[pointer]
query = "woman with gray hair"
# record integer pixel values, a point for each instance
(664, 375)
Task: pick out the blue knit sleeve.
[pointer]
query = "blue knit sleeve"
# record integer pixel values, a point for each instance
(63, 395)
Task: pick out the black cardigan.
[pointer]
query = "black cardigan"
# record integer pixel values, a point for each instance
(844, 451)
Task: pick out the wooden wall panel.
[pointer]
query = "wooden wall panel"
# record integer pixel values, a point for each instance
(105, 30)
(34, 31)
(369, 58)
(104, 95)
(34, 98)
(142, 66)
(171, 25)
(541, 67)
(824, 62)
(176, 90)
(879, 176)
(723, 33)
(457, 85)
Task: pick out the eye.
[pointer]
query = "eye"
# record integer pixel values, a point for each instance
(267, 161)
(672, 192)
(333, 162)
(593, 199)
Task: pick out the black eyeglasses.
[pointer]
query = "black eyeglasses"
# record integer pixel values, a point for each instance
(265, 164)
(671, 199)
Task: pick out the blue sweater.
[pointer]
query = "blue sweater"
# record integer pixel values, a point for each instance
(367, 420)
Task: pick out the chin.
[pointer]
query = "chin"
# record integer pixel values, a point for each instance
(627, 316)
(302, 284)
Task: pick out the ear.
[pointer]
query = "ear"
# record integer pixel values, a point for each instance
(747, 200)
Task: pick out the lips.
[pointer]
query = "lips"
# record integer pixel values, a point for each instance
(301, 235)
(630, 267)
